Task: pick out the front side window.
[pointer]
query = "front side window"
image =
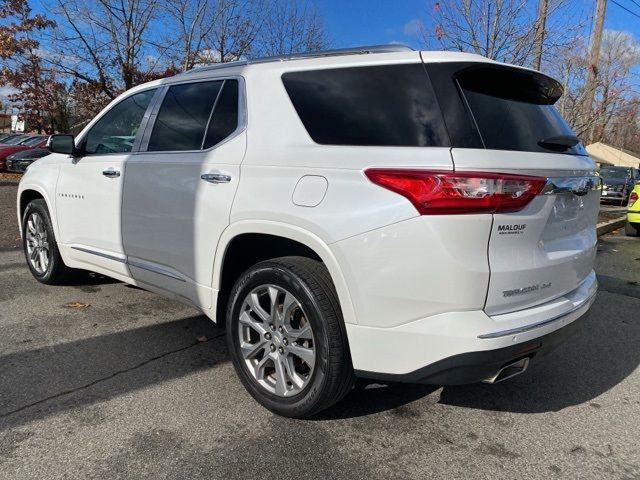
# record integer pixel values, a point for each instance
(116, 131)
(389, 105)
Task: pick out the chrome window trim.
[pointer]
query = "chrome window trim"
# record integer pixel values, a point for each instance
(242, 115)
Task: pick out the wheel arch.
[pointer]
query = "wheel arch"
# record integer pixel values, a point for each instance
(301, 242)
(29, 193)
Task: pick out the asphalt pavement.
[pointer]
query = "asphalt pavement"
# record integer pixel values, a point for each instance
(102, 380)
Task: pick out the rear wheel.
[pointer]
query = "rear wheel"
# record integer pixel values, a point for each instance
(40, 247)
(632, 229)
(286, 337)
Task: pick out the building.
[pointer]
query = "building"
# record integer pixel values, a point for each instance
(604, 154)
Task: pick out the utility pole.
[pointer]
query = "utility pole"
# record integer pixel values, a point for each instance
(594, 58)
(538, 38)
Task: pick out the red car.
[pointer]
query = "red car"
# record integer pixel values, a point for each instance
(35, 141)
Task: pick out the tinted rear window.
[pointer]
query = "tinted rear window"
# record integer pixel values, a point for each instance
(513, 109)
(391, 105)
(615, 173)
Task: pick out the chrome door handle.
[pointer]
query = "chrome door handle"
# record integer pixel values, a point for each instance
(216, 177)
(110, 173)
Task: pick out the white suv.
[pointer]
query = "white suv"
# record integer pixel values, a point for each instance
(380, 213)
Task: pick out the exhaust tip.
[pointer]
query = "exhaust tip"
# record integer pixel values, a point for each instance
(509, 371)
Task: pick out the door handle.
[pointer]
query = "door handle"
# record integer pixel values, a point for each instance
(111, 173)
(216, 177)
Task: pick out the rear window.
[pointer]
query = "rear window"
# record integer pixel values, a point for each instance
(390, 105)
(183, 116)
(615, 173)
(513, 109)
(195, 116)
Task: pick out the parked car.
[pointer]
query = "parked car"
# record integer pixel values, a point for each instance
(31, 141)
(20, 161)
(14, 139)
(6, 136)
(632, 227)
(618, 182)
(378, 212)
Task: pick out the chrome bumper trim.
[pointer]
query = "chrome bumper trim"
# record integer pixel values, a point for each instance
(533, 326)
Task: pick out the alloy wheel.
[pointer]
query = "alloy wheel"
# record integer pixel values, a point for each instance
(276, 340)
(38, 247)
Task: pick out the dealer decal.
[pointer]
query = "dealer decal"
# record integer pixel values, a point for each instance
(512, 229)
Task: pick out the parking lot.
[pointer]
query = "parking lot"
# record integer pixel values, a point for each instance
(103, 380)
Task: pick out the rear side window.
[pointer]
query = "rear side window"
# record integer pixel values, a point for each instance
(183, 116)
(513, 109)
(224, 120)
(390, 105)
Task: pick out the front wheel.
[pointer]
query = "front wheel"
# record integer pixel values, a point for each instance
(40, 247)
(286, 337)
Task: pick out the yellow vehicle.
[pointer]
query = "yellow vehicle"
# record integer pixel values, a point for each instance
(632, 227)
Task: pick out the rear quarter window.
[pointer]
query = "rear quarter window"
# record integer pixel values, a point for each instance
(390, 105)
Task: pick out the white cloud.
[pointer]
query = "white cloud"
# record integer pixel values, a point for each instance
(6, 91)
(413, 27)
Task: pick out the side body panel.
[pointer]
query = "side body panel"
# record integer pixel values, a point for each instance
(172, 219)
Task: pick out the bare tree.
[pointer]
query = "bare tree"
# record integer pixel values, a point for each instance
(503, 30)
(102, 42)
(237, 24)
(192, 21)
(292, 26)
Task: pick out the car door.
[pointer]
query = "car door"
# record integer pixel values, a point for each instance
(89, 188)
(179, 189)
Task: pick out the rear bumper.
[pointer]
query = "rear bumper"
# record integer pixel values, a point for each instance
(614, 197)
(466, 347)
(633, 217)
(473, 367)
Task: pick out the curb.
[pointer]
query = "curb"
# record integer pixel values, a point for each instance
(611, 225)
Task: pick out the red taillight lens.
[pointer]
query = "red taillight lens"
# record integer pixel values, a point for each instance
(632, 198)
(444, 193)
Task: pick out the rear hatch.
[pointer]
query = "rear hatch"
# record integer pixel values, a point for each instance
(502, 119)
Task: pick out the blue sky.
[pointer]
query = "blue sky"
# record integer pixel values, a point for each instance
(366, 22)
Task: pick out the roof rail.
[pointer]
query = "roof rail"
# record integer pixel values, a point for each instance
(297, 56)
(336, 52)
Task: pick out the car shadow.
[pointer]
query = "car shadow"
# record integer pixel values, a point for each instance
(52, 379)
(49, 380)
(603, 352)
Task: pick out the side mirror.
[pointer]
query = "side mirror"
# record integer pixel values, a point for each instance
(62, 144)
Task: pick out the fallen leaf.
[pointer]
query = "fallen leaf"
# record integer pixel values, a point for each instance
(201, 339)
(77, 305)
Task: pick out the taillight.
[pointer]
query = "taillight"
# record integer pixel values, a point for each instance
(632, 198)
(443, 193)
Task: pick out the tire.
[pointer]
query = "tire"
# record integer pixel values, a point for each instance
(632, 229)
(311, 389)
(55, 271)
